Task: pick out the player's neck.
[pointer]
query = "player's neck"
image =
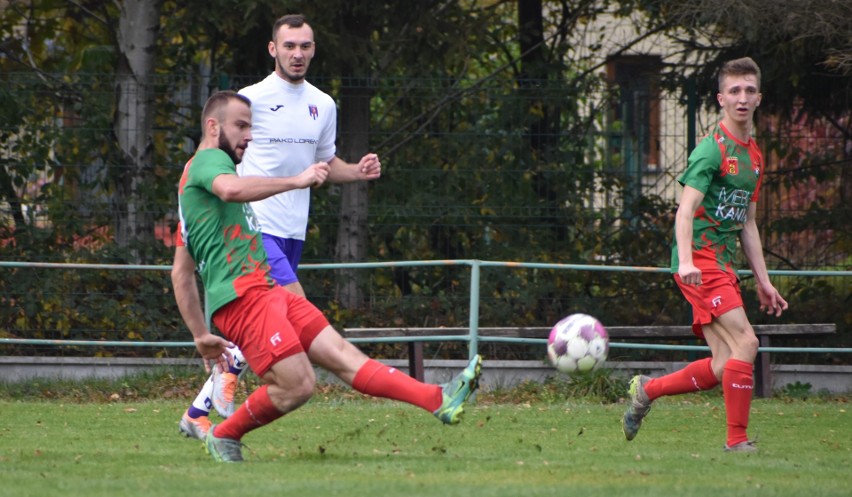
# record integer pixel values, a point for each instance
(290, 81)
(207, 142)
(741, 130)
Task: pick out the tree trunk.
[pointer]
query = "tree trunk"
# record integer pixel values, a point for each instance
(138, 27)
(352, 230)
(534, 72)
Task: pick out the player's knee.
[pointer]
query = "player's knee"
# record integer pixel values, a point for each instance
(717, 364)
(304, 390)
(292, 394)
(747, 344)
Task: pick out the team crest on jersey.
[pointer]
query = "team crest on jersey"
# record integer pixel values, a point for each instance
(312, 109)
(732, 166)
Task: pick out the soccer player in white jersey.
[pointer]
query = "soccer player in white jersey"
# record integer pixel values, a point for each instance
(294, 127)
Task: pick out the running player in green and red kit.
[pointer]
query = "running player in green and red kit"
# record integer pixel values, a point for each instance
(281, 334)
(721, 186)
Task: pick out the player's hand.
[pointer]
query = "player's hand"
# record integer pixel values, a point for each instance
(369, 167)
(771, 301)
(315, 175)
(214, 351)
(689, 274)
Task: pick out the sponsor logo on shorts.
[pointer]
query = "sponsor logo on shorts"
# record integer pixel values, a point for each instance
(275, 339)
(717, 301)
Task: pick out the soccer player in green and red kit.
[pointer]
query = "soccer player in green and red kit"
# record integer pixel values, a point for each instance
(281, 334)
(721, 186)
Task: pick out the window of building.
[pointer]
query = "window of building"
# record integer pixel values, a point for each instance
(635, 113)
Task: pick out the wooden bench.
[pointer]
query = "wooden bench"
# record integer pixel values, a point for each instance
(764, 332)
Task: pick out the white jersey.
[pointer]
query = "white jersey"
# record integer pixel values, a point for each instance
(293, 126)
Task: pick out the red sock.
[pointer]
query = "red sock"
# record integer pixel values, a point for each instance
(378, 380)
(255, 412)
(694, 377)
(738, 386)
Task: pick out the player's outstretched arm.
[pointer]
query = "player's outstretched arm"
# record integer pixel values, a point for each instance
(233, 188)
(211, 347)
(368, 168)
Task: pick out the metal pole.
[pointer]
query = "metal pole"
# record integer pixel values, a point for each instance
(473, 348)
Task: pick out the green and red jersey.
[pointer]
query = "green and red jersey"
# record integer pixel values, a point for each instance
(223, 237)
(728, 172)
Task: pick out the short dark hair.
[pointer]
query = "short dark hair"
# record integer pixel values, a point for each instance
(217, 102)
(739, 67)
(290, 20)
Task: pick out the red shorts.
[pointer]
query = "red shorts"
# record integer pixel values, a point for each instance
(718, 293)
(270, 325)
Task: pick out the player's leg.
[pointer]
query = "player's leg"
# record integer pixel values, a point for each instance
(225, 383)
(288, 384)
(218, 391)
(707, 302)
(736, 359)
(296, 288)
(696, 376)
(194, 422)
(330, 351)
(258, 323)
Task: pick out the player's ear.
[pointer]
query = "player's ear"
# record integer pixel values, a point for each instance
(271, 48)
(211, 127)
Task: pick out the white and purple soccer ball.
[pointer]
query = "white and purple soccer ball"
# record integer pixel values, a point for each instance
(578, 343)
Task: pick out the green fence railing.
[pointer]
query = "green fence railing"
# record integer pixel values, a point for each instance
(473, 338)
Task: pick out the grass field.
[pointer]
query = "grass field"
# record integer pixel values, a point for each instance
(348, 445)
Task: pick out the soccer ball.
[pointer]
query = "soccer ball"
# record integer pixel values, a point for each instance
(577, 344)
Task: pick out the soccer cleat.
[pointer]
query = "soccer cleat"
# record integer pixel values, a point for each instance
(223, 449)
(224, 388)
(457, 391)
(194, 427)
(747, 446)
(638, 408)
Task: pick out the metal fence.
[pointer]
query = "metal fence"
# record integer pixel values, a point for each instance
(459, 156)
(473, 300)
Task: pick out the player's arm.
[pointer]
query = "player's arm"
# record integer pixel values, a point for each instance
(770, 300)
(690, 200)
(368, 168)
(211, 347)
(234, 188)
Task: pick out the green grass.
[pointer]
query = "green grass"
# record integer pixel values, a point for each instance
(343, 444)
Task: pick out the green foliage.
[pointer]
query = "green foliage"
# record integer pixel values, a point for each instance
(797, 390)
